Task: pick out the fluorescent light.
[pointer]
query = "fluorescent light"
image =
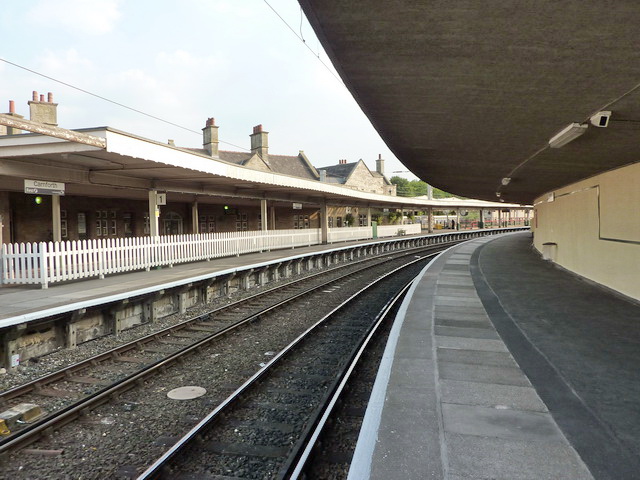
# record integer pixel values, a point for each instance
(567, 134)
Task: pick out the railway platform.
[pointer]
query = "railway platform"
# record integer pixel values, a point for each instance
(24, 303)
(504, 366)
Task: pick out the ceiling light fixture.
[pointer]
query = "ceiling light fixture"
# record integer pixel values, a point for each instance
(505, 181)
(567, 134)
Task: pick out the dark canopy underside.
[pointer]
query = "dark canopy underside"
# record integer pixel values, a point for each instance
(466, 93)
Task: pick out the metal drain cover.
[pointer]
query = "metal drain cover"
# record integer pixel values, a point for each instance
(186, 393)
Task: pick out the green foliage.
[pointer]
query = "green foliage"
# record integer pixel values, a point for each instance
(350, 221)
(415, 188)
(393, 216)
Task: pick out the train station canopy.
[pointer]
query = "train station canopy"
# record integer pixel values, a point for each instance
(107, 162)
(492, 98)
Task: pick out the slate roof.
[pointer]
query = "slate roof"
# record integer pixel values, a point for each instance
(340, 171)
(239, 158)
(291, 165)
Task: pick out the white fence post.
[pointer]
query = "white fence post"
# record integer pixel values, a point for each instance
(49, 262)
(44, 273)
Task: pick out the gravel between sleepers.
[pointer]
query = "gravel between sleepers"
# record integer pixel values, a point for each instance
(119, 439)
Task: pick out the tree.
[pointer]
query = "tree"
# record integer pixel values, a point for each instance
(415, 188)
(403, 189)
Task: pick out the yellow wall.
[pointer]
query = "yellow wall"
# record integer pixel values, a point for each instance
(596, 226)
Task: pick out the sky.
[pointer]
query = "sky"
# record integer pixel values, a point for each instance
(234, 60)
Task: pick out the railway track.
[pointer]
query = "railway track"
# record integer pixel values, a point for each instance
(211, 329)
(268, 427)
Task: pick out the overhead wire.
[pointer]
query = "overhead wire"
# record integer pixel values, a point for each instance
(111, 101)
(300, 37)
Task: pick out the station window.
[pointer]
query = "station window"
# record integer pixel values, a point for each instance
(207, 224)
(127, 219)
(330, 222)
(259, 221)
(362, 220)
(338, 222)
(82, 225)
(241, 222)
(147, 224)
(172, 224)
(64, 232)
(102, 223)
(301, 221)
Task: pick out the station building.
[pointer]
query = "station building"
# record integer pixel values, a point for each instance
(97, 183)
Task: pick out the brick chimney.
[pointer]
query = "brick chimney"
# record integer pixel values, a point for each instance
(4, 130)
(342, 162)
(380, 165)
(210, 137)
(43, 111)
(260, 143)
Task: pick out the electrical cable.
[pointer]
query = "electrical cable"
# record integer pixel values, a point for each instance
(112, 101)
(303, 41)
(301, 18)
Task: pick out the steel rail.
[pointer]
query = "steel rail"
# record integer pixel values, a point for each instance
(108, 355)
(155, 469)
(68, 414)
(296, 463)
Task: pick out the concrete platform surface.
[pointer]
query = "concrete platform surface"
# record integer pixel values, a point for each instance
(22, 303)
(503, 366)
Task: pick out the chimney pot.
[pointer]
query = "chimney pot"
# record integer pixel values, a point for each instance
(42, 111)
(12, 106)
(260, 143)
(380, 164)
(210, 137)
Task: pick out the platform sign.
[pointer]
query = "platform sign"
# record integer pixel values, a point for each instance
(43, 187)
(297, 206)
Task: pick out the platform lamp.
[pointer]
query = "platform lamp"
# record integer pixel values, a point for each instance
(567, 134)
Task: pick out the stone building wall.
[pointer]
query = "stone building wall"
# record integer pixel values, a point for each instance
(362, 179)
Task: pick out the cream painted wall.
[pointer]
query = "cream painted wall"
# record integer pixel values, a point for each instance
(596, 226)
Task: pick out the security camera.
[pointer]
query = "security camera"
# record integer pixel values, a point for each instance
(601, 119)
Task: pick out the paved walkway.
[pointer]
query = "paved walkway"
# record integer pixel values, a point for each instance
(505, 368)
(578, 343)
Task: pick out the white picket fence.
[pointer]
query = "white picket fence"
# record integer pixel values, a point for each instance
(50, 262)
(362, 233)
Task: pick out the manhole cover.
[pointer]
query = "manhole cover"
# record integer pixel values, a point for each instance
(186, 393)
